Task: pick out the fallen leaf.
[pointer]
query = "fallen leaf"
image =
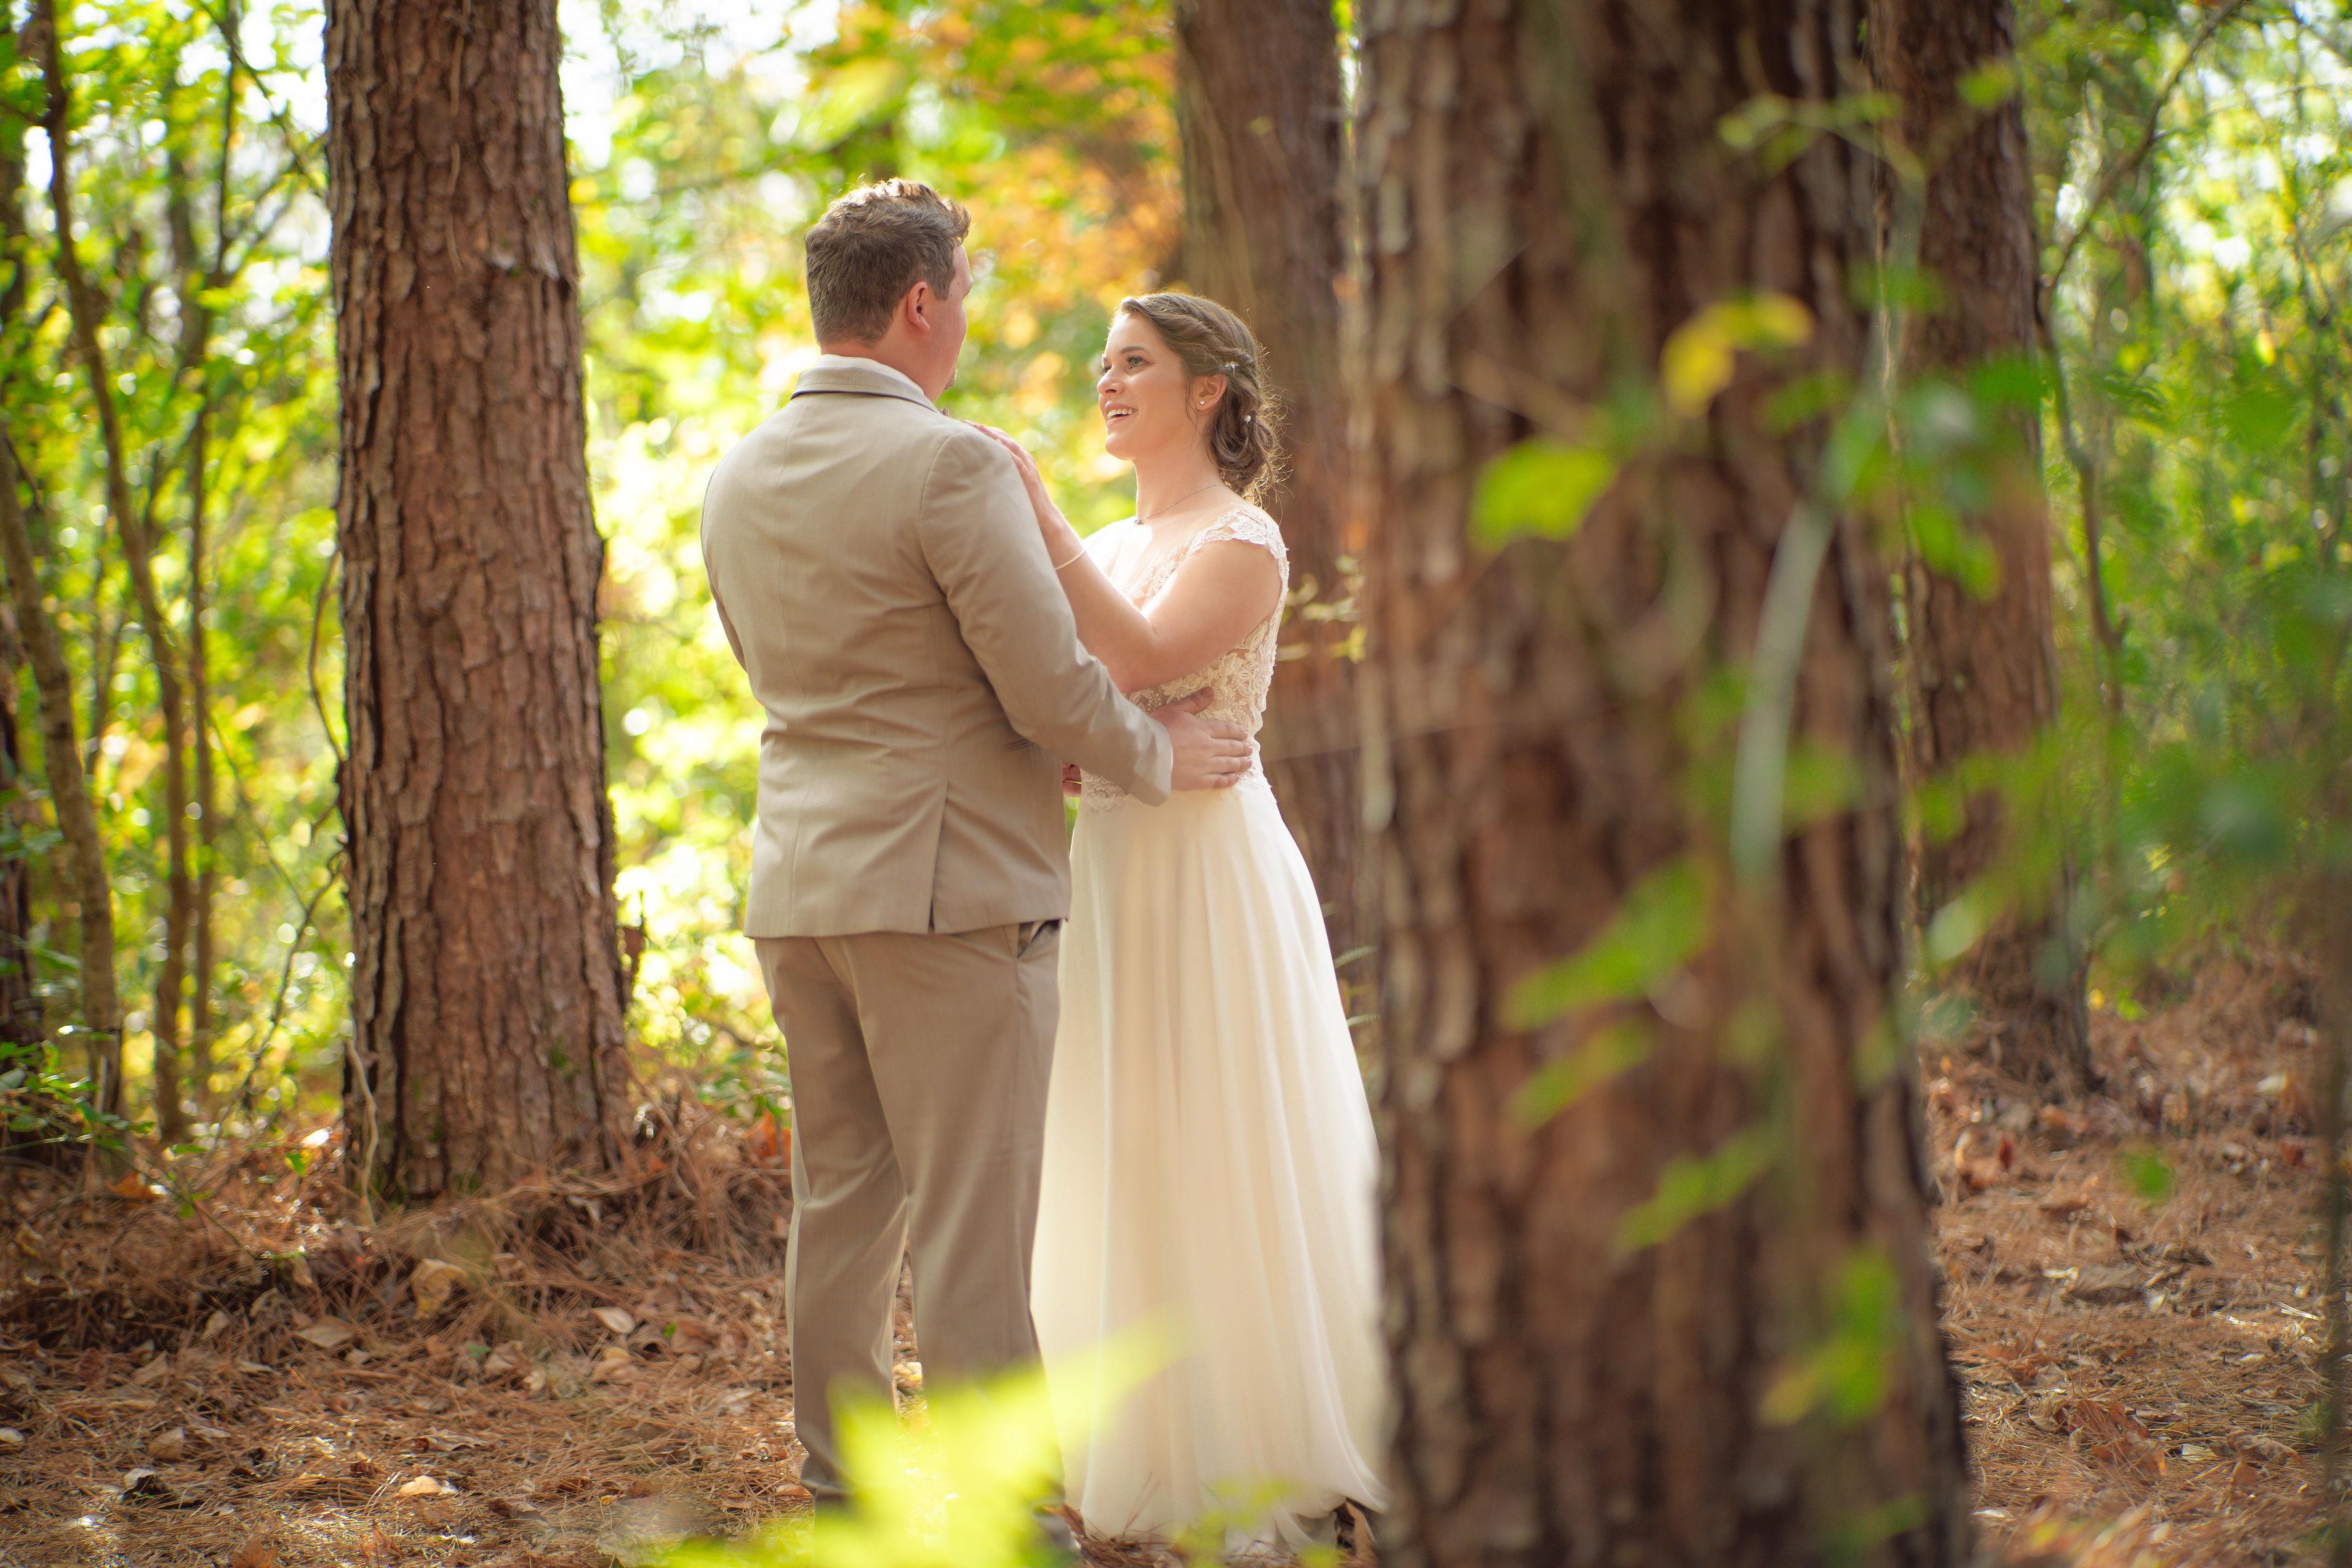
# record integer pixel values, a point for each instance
(145, 1484)
(2114, 1435)
(154, 1371)
(2057, 1205)
(425, 1486)
(258, 1552)
(614, 1318)
(329, 1333)
(169, 1446)
(613, 1365)
(253, 1367)
(11, 1438)
(431, 1283)
(132, 1186)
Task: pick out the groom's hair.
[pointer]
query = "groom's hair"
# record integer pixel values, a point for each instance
(868, 249)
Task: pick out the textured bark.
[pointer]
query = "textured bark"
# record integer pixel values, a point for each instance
(486, 984)
(1983, 672)
(1547, 197)
(1263, 126)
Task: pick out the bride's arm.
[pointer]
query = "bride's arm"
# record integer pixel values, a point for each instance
(1218, 597)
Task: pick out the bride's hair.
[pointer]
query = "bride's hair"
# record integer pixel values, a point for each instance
(1244, 429)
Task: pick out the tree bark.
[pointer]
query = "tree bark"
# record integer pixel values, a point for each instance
(1263, 126)
(1615, 1320)
(1982, 672)
(486, 980)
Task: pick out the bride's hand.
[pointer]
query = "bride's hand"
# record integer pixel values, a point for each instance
(1026, 466)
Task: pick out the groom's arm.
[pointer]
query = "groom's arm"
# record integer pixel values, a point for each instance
(982, 544)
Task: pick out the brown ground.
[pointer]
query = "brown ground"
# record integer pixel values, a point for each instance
(175, 1387)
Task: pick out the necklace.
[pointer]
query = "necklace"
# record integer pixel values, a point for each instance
(1172, 505)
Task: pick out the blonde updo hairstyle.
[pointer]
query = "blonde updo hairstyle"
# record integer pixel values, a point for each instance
(1244, 432)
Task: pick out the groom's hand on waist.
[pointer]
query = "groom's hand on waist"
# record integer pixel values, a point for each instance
(1210, 753)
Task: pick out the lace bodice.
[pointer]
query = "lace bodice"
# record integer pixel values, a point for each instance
(1238, 679)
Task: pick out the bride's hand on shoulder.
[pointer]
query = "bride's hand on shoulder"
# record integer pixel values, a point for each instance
(1026, 467)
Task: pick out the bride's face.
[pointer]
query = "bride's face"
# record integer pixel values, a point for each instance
(1145, 395)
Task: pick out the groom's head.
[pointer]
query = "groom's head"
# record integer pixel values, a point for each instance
(887, 277)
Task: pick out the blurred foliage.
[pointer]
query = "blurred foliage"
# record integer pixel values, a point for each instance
(2200, 328)
(2193, 177)
(703, 140)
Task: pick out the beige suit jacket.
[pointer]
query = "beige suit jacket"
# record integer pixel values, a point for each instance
(882, 581)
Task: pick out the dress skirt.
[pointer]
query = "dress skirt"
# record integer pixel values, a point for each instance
(1210, 1176)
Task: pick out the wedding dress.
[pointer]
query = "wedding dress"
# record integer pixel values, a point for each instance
(1210, 1166)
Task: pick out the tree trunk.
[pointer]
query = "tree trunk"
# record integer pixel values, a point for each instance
(1983, 670)
(1632, 1237)
(86, 879)
(1263, 125)
(20, 1004)
(485, 986)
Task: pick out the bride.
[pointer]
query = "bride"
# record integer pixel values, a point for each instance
(1210, 1165)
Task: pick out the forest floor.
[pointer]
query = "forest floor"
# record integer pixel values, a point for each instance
(583, 1371)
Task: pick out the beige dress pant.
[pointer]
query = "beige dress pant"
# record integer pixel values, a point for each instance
(918, 1063)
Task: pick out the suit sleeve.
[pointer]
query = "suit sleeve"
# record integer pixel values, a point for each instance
(982, 544)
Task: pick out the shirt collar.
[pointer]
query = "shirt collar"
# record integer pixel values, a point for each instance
(859, 361)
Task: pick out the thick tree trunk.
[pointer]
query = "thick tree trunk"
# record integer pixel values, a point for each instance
(1616, 1320)
(486, 985)
(1983, 671)
(1263, 126)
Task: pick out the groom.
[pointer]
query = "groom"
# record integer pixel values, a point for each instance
(882, 581)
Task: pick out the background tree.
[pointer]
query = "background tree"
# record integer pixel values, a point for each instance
(135, 531)
(1978, 649)
(487, 981)
(1655, 1224)
(1263, 131)
(20, 1006)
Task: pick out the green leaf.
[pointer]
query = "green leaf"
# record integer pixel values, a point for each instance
(2146, 1173)
(1695, 1186)
(1662, 922)
(1541, 488)
(1990, 85)
(1698, 358)
(2260, 415)
(1561, 1082)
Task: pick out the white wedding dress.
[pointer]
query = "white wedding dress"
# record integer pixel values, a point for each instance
(1210, 1166)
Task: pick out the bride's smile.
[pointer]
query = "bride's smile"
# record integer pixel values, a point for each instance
(1141, 394)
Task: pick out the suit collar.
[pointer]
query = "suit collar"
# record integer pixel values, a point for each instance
(864, 379)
